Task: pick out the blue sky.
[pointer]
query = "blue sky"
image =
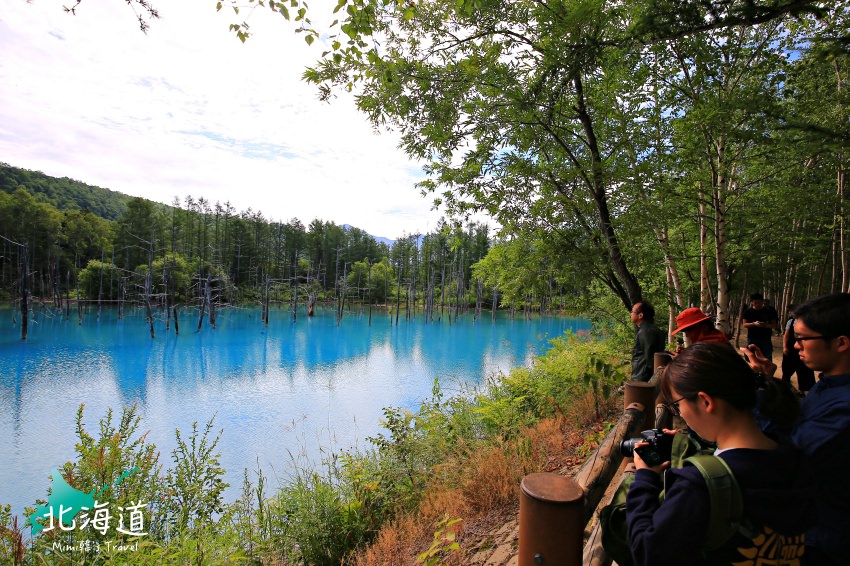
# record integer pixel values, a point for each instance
(189, 110)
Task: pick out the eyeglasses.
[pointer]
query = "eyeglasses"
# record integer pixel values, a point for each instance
(673, 406)
(800, 339)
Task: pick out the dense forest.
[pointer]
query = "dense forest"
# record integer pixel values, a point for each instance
(685, 160)
(64, 193)
(208, 255)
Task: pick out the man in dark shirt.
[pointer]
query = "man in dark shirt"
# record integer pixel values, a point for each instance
(822, 336)
(760, 320)
(649, 339)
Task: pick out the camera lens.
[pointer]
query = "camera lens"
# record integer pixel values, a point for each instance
(627, 447)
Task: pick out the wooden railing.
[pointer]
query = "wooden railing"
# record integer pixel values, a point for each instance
(555, 511)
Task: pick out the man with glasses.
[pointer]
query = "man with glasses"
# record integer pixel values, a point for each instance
(649, 339)
(822, 337)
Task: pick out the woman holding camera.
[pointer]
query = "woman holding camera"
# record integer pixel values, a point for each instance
(714, 390)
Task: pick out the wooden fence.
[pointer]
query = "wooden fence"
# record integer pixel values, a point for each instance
(556, 512)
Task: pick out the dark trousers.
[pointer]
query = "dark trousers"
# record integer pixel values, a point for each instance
(792, 364)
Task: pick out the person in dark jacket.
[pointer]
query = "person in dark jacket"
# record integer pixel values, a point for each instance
(822, 432)
(715, 391)
(649, 339)
(822, 336)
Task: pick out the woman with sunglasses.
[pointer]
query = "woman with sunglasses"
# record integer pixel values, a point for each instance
(714, 390)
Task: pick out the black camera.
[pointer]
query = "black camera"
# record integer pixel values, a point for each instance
(658, 450)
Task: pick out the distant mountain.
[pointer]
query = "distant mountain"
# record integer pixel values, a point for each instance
(382, 240)
(379, 239)
(64, 193)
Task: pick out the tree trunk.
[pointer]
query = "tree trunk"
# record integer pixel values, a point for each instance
(148, 287)
(719, 186)
(210, 305)
(398, 293)
(100, 285)
(25, 307)
(704, 284)
(369, 291)
(202, 306)
(165, 295)
(627, 288)
(295, 294)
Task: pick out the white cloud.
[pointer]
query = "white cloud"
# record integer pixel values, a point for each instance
(189, 110)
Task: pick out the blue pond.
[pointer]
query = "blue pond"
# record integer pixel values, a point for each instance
(276, 392)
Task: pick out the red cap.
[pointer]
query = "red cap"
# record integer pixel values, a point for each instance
(688, 318)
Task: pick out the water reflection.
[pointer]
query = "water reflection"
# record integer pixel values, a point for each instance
(274, 390)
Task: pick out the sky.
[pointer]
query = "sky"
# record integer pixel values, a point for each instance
(187, 109)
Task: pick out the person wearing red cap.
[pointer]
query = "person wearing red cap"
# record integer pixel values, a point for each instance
(698, 327)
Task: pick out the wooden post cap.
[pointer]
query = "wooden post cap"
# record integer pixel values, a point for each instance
(551, 525)
(552, 488)
(661, 359)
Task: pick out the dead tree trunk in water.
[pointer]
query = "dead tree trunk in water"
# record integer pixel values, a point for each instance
(295, 292)
(479, 287)
(25, 293)
(100, 285)
(68, 295)
(165, 296)
(398, 293)
(344, 291)
(369, 291)
(267, 301)
(149, 287)
(459, 285)
(203, 304)
(210, 304)
(176, 322)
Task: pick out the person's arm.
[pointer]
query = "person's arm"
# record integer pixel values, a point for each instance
(757, 360)
(670, 532)
(786, 347)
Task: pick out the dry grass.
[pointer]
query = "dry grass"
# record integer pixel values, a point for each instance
(481, 486)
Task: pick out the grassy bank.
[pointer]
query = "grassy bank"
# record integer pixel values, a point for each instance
(419, 492)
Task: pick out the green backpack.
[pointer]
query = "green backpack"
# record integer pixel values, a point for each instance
(725, 519)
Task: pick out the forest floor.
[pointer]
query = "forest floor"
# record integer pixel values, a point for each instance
(495, 541)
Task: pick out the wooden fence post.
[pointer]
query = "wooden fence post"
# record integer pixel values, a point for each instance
(551, 520)
(644, 393)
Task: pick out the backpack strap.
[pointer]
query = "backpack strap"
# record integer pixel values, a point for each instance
(727, 508)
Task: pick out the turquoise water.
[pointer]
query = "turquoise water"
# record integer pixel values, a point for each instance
(277, 392)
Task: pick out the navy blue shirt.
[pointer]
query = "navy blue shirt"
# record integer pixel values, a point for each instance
(777, 492)
(823, 434)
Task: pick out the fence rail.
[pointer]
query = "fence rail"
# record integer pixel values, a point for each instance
(553, 521)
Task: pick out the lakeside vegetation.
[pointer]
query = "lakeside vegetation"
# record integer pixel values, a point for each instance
(685, 154)
(452, 462)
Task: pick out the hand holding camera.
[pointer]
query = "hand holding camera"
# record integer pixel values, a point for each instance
(654, 447)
